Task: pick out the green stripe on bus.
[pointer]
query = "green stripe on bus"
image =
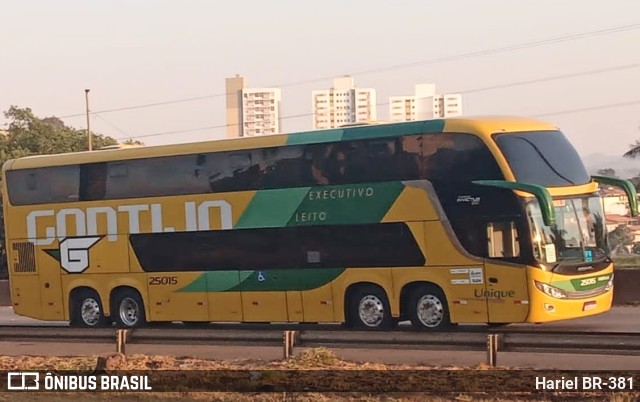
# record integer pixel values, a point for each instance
(579, 284)
(255, 281)
(366, 131)
(393, 130)
(314, 137)
(279, 280)
(272, 208)
(360, 203)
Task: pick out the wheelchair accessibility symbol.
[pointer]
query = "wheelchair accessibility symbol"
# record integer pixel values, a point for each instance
(261, 277)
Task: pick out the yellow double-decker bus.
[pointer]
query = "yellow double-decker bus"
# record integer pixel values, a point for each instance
(461, 220)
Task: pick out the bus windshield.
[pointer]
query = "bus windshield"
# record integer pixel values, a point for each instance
(578, 235)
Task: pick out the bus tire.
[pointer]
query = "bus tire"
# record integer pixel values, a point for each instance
(369, 309)
(86, 310)
(128, 309)
(428, 309)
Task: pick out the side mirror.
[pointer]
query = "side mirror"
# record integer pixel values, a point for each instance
(541, 194)
(626, 185)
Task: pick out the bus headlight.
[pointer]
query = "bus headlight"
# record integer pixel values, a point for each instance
(609, 284)
(550, 290)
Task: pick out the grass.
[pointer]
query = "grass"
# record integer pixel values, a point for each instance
(308, 359)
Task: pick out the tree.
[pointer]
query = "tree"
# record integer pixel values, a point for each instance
(607, 172)
(621, 236)
(131, 141)
(634, 150)
(30, 135)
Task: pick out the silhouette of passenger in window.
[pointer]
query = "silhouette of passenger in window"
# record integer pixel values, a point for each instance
(337, 172)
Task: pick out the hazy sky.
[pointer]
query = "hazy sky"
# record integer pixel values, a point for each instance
(132, 53)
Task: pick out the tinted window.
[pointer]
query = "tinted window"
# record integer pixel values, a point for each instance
(340, 246)
(93, 181)
(42, 186)
(437, 157)
(545, 158)
(457, 157)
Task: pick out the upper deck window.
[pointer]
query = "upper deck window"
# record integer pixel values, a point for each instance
(545, 158)
(443, 158)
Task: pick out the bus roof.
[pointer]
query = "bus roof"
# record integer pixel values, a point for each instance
(483, 126)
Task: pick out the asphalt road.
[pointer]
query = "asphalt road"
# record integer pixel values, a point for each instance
(619, 319)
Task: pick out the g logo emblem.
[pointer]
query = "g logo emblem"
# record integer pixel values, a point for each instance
(74, 253)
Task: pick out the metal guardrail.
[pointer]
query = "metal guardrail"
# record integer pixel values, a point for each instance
(598, 343)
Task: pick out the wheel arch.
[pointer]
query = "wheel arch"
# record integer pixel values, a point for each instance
(114, 291)
(352, 288)
(409, 287)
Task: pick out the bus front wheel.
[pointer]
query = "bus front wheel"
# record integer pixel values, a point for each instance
(369, 309)
(128, 309)
(428, 309)
(86, 309)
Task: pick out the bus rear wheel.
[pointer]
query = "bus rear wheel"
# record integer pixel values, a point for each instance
(428, 309)
(86, 310)
(369, 309)
(128, 309)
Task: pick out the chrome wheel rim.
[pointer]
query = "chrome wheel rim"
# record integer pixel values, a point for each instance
(430, 311)
(129, 311)
(90, 311)
(371, 311)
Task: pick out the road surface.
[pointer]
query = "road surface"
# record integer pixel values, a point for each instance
(619, 319)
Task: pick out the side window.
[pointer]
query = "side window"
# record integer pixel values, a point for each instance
(457, 157)
(286, 167)
(502, 240)
(371, 245)
(361, 161)
(93, 181)
(43, 186)
(175, 175)
(118, 182)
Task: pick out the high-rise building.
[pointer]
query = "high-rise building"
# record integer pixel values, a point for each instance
(343, 104)
(251, 111)
(234, 87)
(425, 104)
(260, 111)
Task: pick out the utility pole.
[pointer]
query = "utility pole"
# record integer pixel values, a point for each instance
(86, 96)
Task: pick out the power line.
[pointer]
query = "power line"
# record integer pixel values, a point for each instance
(206, 128)
(520, 46)
(608, 106)
(586, 109)
(554, 78)
(111, 124)
(513, 84)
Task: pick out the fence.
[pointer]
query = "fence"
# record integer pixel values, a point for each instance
(599, 343)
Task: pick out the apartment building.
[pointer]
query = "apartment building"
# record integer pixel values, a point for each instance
(343, 104)
(260, 111)
(251, 111)
(424, 104)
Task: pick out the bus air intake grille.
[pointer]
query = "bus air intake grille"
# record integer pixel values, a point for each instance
(26, 261)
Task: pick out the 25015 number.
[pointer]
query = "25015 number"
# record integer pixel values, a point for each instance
(163, 280)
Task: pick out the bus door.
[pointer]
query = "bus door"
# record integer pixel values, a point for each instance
(506, 288)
